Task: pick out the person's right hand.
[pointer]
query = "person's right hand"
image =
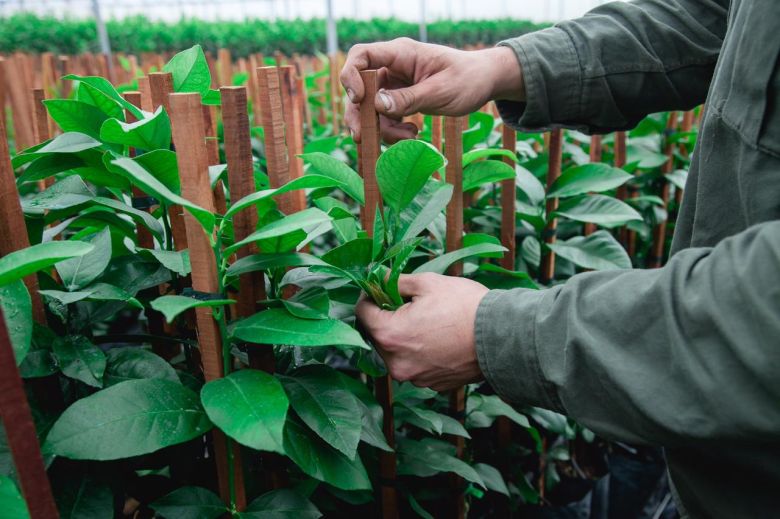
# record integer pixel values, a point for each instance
(432, 79)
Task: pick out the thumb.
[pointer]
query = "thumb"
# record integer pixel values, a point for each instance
(399, 102)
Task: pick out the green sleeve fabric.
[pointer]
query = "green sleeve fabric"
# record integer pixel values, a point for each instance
(589, 73)
(687, 352)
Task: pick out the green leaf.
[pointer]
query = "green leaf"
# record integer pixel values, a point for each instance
(11, 502)
(427, 212)
(277, 326)
(190, 71)
(68, 142)
(129, 419)
(482, 410)
(83, 498)
(587, 178)
(483, 153)
(280, 504)
(250, 406)
(304, 182)
(139, 176)
(348, 180)
(150, 133)
(19, 264)
(492, 477)
(175, 261)
(162, 165)
(678, 177)
(480, 127)
(309, 303)
(172, 306)
(263, 262)
(353, 257)
(598, 209)
(598, 251)
(529, 185)
(94, 292)
(39, 361)
(17, 311)
(105, 86)
(322, 401)
(645, 158)
(75, 116)
(486, 172)
(83, 270)
(403, 169)
(321, 461)
(79, 359)
(428, 457)
(190, 503)
(417, 507)
(91, 95)
(307, 220)
(442, 263)
(132, 362)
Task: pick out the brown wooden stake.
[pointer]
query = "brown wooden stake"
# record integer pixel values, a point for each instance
(293, 125)
(14, 75)
(547, 269)
(508, 219)
(145, 88)
(13, 231)
(453, 151)
(225, 67)
(436, 131)
(189, 136)
(335, 94)
(368, 153)
(66, 67)
(145, 238)
(595, 156)
(656, 257)
(21, 434)
(160, 87)
(268, 82)
(212, 151)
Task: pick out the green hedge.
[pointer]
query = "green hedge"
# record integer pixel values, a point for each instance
(138, 34)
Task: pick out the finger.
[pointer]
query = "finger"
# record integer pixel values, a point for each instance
(394, 131)
(412, 285)
(352, 120)
(371, 317)
(399, 102)
(368, 56)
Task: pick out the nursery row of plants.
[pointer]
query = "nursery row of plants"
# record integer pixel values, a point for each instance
(31, 33)
(178, 286)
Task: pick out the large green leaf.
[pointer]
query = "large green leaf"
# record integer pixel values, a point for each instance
(68, 142)
(323, 402)
(427, 457)
(321, 461)
(280, 504)
(305, 182)
(94, 292)
(132, 362)
(150, 133)
(17, 312)
(442, 263)
(105, 87)
(78, 358)
(482, 410)
(486, 172)
(250, 406)
(162, 165)
(587, 178)
(190, 71)
(483, 153)
(348, 180)
(403, 169)
(91, 95)
(309, 303)
(175, 261)
(277, 326)
(19, 264)
(421, 213)
(83, 497)
(139, 176)
(263, 262)
(190, 503)
(307, 220)
(480, 127)
(598, 209)
(354, 256)
(172, 306)
(75, 116)
(598, 251)
(83, 270)
(129, 419)
(492, 477)
(11, 502)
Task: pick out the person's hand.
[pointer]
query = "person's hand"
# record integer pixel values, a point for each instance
(430, 340)
(432, 79)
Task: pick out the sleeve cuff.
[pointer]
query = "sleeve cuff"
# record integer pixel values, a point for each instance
(553, 83)
(507, 350)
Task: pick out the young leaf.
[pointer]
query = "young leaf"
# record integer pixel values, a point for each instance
(310, 303)
(277, 326)
(80, 359)
(75, 116)
(11, 501)
(190, 71)
(190, 503)
(321, 400)
(79, 272)
(91, 95)
(280, 504)
(94, 292)
(129, 419)
(19, 264)
(598, 209)
(162, 165)
(403, 169)
(17, 313)
(480, 128)
(482, 410)
(105, 86)
(175, 261)
(305, 182)
(598, 251)
(439, 265)
(265, 262)
(132, 362)
(428, 457)
(353, 257)
(428, 211)
(68, 142)
(492, 477)
(486, 172)
(306, 220)
(151, 133)
(172, 306)
(348, 180)
(483, 153)
(250, 406)
(593, 177)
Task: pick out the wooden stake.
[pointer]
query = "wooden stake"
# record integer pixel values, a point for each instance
(508, 219)
(436, 131)
(14, 75)
(656, 259)
(273, 124)
(335, 90)
(190, 137)
(293, 125)
(547, 269)
(212, 151)
(41, 116)
(225, 67)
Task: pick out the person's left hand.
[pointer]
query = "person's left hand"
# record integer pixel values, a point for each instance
(430, 340)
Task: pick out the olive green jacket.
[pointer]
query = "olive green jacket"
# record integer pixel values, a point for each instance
(686, 356)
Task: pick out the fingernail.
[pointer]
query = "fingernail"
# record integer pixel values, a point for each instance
(351, 95)
(387, 100)
(352, 133)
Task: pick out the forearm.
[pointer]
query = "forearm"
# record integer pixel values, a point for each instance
(660, 356)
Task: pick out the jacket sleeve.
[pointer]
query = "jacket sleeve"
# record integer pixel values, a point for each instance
(621, 61)
(687, 352)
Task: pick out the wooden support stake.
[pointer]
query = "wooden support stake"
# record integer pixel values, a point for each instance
(14, 75)
(436, 131)
(293, 125)
(508, 219)
(268, 83)
(547, 268)
(212, 151)
(453, 151)
(656, 258)
(225, 67)
(145, 238)
(21, 434)
(335, 95)
(189, 135)
(368, 153)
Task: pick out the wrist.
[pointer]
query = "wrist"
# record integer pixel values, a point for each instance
(506, 74)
